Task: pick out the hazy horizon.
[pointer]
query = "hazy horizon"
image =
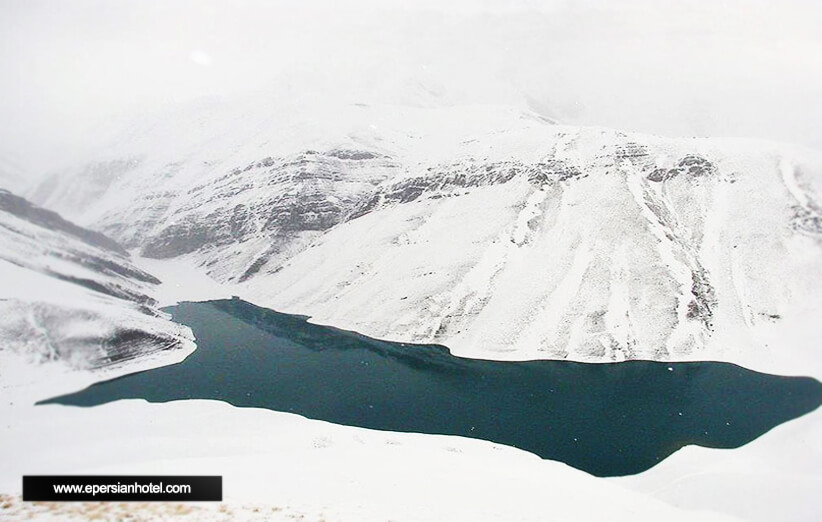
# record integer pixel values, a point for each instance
(77, 73)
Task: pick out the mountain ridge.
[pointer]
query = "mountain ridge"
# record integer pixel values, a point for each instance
(530, 240)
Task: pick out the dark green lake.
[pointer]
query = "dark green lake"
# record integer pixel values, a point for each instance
(606, 419)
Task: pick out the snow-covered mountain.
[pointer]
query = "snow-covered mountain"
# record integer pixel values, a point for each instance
(488, 229)
(72, 296)
(604, 247)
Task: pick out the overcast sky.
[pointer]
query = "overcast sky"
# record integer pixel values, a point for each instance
(72, 72)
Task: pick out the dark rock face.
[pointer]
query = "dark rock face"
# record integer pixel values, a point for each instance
(181, 238)
(704, 301)
(691, 165)
(131, 343)
(551, 171)
(658, 175)
(348, 154)
(21, 208)
(807, 221)
(448, 180)
(306, 192)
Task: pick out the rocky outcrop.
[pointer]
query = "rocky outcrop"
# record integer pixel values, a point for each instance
(691, 165)
(454, 179)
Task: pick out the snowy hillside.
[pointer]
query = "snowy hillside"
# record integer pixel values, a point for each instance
(508, 238)
(71, 296)
(604, 247)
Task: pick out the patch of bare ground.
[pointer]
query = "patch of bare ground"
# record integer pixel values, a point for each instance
(13, 509)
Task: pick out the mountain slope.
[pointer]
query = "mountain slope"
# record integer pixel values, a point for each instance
(71, 296)
(604, 249)
(239, 199)
(507, 237)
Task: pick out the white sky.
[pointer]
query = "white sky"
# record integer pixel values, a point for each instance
(73, 72)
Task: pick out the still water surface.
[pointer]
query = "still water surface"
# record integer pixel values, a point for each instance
(606, 419)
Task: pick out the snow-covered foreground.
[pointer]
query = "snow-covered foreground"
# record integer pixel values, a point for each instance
(776, 477)
(321, 470)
